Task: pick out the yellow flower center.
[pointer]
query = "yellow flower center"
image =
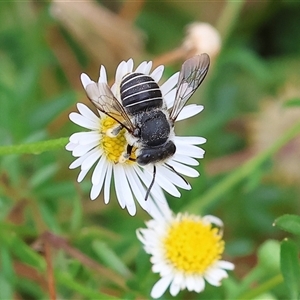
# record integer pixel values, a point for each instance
(193, 246)
(114, 147)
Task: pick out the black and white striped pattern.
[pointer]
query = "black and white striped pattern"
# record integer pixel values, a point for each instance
(140, 92)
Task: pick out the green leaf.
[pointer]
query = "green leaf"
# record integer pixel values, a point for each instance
(289, 223)
(292, 102)
(76, 215)
(6, 290)
(49, 218)
(43, 174)
(110, 258)
(24, 252)
(47, 111)
(269, 256)
(290, 268)
(65, 280)
(6, 264)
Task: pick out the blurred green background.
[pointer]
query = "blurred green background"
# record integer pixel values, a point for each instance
(250, 98)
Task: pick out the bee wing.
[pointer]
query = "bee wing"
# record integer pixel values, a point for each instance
(104, 100)
(192, 73)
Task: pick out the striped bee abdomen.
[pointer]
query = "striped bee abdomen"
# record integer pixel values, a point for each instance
(140, 92)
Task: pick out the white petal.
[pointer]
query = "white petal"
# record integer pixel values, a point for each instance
(178, 278)
(137, 187)
(107, 183)
(131, 209)
(126, 193)
(160, 286)
(140, 236)
(87, 113)
(145, 178)
(214, 276)
(157, 73)
(77, 162)
(95, 191)
(118, 186)
(91, 159)
(174, 289)
(85, 80)
(120, 72)
(225, 265)
(159, 210)
(169, 84)
(163, 171)
(185, 159)
(190, 283)
(153, 210)
(190, 150)
(189, 111)
(141, 67)
(148, 68)
(70, 146)
(83, 149)
(213, 220)
(99, 170)
(194, 140)
(102, 75)
(183, 169)
(84, 137)
(164, 183)
(83, 122)
(129, 65)
(161, 201)
(82, 174)
(199, 284)
(169, 98)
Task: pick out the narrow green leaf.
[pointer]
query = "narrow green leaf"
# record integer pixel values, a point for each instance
(76, 215)
(6, 264)
(24, 252)
(289, 223)
(292, 102)
(269, 257)
(43, 174)
(65, 280)
(110, 258)
(34, 148)
(49, 218)
(290, 268)
(6, 290)
(48, 110)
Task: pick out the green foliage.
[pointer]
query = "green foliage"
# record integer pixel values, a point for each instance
(290, 268)
(94, 251)
(289, 223)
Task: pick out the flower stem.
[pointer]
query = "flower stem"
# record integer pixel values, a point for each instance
(263, 288)
(34, 148)
(228, 18)
(242, 172)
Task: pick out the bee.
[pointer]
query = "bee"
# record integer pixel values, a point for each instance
(142, 111)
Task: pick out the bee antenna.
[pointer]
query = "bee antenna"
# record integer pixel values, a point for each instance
(151, 184)
(172, 168)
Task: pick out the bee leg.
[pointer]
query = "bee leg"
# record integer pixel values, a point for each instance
(126, 155)
(151, 184)
(114, 131)
(128, 150)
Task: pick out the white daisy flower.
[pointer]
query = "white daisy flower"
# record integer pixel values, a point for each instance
(104, 145)
(185, 250)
